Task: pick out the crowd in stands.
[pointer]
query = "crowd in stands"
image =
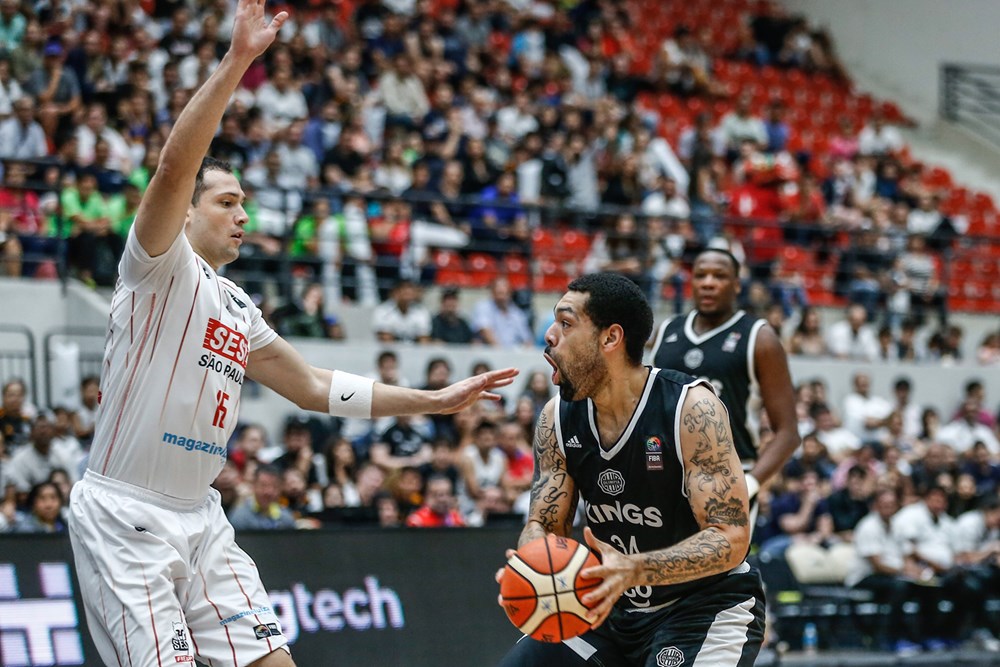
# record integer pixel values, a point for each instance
(376, 134)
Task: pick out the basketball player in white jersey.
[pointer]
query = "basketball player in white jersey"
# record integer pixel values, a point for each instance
(162, 579)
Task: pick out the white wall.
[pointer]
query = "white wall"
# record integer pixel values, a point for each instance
(898, 45)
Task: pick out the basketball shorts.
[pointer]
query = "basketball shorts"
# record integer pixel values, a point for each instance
(162, 580)
(721, 625)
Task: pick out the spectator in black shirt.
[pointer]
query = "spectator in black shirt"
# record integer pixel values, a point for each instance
(850, 504)
(229, 145)
(448, 326)
(400, 446)
(299, 451)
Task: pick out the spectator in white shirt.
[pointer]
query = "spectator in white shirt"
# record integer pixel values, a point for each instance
(516, 120)
(840, 443)
(403, 93)
(877, 138)
(21, 136)
(865, 415)
(402, 317)
(965, 431)
(741, 125)
(280, 100)
(96, 127)
(909, 411)
(666, 201)
(852, 338)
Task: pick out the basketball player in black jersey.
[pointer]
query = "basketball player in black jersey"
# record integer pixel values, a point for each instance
(651, 454)
(742, 356)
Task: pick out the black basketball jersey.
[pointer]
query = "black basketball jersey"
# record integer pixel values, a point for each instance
(633, 493)
(724, 357)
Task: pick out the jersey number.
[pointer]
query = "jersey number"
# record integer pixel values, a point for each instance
(220, 409)
(638, 595)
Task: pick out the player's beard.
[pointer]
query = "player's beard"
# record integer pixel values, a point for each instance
(580, 375)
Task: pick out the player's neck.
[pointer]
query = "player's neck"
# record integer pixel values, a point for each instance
(707, 321)
(616, 400)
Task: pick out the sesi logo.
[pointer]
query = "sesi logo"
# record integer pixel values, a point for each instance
(226, 342)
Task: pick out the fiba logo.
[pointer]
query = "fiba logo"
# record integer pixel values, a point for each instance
(611, 482)
(39, 631)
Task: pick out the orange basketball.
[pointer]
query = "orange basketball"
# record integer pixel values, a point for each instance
(541, 588)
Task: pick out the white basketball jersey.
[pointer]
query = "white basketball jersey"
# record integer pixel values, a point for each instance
(174, 364)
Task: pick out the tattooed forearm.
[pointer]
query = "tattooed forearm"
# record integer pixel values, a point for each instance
(730, 512)
(712, 469)
(701, 555)
(552, 494)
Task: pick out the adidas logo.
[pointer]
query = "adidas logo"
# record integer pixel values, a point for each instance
(573, 442)
(672, 338)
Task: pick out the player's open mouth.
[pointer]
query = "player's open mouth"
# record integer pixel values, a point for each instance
(555, 368)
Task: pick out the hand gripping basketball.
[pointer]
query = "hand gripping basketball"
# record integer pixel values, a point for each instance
(541, 588)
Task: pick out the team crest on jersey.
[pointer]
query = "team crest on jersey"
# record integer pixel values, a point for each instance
(669, 657)
(611, 482)
(179, 639)
(732, 340)
(694, 357)
(264, 631)
(654, 453)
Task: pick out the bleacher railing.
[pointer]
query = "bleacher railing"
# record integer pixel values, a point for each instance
(970, 96)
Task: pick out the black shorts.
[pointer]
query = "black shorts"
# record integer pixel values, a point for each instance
(720, 625)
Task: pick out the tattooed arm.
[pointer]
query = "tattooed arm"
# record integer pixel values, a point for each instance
(553, 494)
(717, 493)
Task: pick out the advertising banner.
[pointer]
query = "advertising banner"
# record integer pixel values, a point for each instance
(353, 598)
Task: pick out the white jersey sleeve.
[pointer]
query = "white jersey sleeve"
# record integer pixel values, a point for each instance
(141, 273)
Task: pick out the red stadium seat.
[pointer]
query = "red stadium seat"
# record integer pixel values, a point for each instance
(482, 269)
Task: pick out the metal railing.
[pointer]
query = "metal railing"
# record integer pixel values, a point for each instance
(970, 96)
(17, 357)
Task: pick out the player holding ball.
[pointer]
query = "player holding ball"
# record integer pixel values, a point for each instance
(652, 455)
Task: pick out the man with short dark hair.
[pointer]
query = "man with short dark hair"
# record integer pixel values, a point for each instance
(438, 509)
(675, 582)
(448, 326)
(262, 511)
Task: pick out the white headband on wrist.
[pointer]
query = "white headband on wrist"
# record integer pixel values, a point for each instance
(351, 395)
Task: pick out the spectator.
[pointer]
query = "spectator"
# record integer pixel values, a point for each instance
(849, 505)
(488, 465)
(802, 514)
(403, 94)
(988, 352)
(984, 471)
(963, 432)
(878, 138)
(391, 235)
(498, 322)
(402, 318)
(778, 131)
(33, 463)
(851, 338)
(881, 566)
(520, 463)
(262, 511)
(925, 219)
(922, 280)
(865, 414)
(666, 201)
(439, 508)
(838, 441)
(21, 136)
(740, 125)
(402, 445)
(15, 415)
(299, 164)
(94, 247)
(501, 225)
(620, 249)
(281, 100)
(95, 128)
(56, 89)
(807, 339)
(975, 391)
(299, 453)
(307, 318)
(448, 325)
(45, 502)
(909, 411)
(12, 25)
(230, 486)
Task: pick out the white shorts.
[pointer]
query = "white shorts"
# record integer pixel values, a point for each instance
(163, 581)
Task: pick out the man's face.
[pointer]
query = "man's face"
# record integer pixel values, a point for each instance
(215, 223)
(266, 488)
(715, 284)
(439, 496)
(501, 292)
(886, 505)
(937, 502)
(13, 397)
(573, 349)
(47, 504)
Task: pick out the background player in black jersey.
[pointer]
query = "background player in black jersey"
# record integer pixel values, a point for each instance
(740, 355)
(651, 454)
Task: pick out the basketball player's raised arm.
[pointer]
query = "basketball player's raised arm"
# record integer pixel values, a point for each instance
(771, 364)
(161, 214)
(280, 367)
(717, 493)
(553, 494)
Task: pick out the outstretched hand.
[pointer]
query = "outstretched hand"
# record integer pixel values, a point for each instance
(252, 32)
(618, 572)
(457, 397)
